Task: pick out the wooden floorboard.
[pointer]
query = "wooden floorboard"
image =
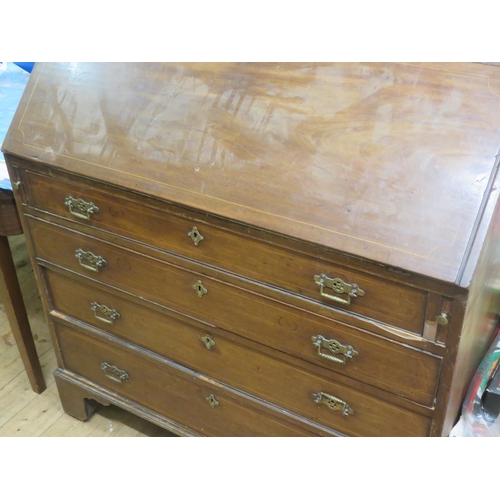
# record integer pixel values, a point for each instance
(25, 413)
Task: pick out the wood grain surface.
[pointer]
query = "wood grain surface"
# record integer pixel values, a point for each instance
(410, 373)
(25, 413)
(384, 300)
(383, 173)
(390, 162)
(184, 397)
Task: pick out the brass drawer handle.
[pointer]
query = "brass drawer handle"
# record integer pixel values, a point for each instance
(90, 261)
(196, 236)
(335, 347)
(333, 403)
(200, 289)
(114, 373)
(208, 341)
(338, 286)
(212, 401)
(104, 313)
(79, 208)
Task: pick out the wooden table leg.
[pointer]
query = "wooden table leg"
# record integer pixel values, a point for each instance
(12, 299)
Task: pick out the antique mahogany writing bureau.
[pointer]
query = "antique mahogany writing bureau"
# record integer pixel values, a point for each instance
(264, 249)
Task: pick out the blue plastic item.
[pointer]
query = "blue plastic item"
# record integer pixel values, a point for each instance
(13, 81)
(27, 66)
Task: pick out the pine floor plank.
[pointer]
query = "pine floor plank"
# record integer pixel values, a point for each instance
(95, 425)
(6, 336)
(18, 393)
(61, 427)
(11, 364)
(125, 424)
(14, 397)
(37, 416)
(113, 421)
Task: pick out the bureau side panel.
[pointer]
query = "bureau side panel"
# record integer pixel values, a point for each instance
(481, 317)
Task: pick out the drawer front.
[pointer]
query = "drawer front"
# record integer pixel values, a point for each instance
(375, 298)
(244, 368)
(210, 411)
(385, 364)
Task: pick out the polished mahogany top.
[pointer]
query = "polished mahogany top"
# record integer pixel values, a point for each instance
(394, 163)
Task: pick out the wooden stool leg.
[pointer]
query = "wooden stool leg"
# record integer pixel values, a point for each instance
(12, 299)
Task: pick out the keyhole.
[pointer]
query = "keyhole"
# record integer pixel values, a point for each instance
(208, 341)
(195, 235)
(200, 289)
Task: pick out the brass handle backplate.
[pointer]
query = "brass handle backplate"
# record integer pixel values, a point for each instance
(114, 373)
(212, 401)
(333, 403)
(200, 289)
(208, 341)
(335, 347)
(104, 313)
(80, 208)
(338, 286)
(90, 261)
(196, 236)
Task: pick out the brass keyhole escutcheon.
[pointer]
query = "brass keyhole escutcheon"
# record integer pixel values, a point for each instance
(212, 401)
(200, 289)
(208, 341)
(196, 236)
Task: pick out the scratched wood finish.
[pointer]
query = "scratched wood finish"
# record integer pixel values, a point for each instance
(10, 225)
(388, 365)
(12, 299)
(146, 277)
(383, 300)
(10, 291)
(384, 169)
(181, 396)
(23, 170)
(26, 413)
(390, 162)
(276, 325)
(433, 340)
